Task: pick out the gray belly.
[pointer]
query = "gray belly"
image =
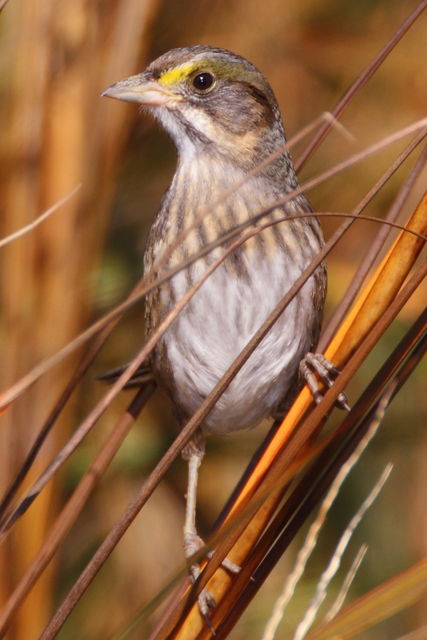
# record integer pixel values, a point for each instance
(218, 322)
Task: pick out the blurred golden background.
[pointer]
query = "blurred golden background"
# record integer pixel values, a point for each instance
(56, 57)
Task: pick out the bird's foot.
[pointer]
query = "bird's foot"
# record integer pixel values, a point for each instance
(205, 599)
(316, 363)
(193, 543)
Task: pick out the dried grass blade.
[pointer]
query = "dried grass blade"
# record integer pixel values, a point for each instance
(74, 506)
(382, 602)
(376, 312)
(361, 80)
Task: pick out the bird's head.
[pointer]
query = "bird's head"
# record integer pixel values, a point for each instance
(208, 99)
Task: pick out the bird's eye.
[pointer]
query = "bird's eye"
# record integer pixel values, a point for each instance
(203, 81)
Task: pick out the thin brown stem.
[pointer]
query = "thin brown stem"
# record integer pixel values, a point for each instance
(75, 504)
(184, 436)
(366, 263)
(360, 81)
(115, 388)
(363, 203)
(46, 428)
(284, 467)
(26, 381)
(311, 423)
(79, 434)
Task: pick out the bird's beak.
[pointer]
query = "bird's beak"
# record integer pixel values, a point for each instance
(137, 89)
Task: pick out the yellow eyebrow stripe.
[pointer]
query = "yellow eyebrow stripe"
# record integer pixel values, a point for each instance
(178, 74)
(172, 77)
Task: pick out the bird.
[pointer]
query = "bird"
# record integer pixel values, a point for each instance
(225, 122)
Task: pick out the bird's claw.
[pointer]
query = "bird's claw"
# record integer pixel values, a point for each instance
(193, 543)
(205, 599)
(231, 566)
(316, 363)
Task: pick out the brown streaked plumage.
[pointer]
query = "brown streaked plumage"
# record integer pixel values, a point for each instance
(224, 119)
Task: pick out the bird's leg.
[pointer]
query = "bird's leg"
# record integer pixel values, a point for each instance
(194, 452)
(316, 363)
